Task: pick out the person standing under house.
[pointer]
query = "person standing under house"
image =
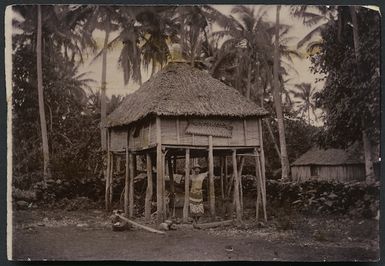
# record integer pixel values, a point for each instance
(196, 196)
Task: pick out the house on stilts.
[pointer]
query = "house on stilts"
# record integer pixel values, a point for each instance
(184, 113)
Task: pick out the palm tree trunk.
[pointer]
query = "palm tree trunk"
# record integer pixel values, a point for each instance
(308, 115)
(103, 101)
(272, 138)
(278, 102)
(43, 122)
(369, 172)
(248, 81)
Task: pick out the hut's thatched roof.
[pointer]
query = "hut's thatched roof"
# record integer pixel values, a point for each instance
(316, 156)
(180, 90)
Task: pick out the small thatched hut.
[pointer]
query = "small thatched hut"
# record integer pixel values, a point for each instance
(182, 112)
(331, 164)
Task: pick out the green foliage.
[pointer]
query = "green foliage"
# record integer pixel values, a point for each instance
(351, 96)
(72, 120)
(300, 137)
(323, 197)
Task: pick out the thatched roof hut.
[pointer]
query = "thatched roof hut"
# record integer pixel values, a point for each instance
(329, 164)
(180, 90)
(316, 156)
(183, 112)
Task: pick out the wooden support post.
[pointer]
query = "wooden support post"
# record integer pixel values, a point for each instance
(261, 196)
(111, 178)
(211, 178)
(263, 189)
(107, 176)
(172, 187)
(226, 175)
(148, 200)
(126, 184)
(245, 131)
(258, 178)
(240, 183)
(236, 187)
(159, 173)
(164, 196)
(262, 154)
(240, 169)
(131, 185)
(186, 187)
(107, 192)
(221, 175)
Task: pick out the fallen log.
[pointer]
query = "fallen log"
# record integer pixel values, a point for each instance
(140, 225)
(214, 224)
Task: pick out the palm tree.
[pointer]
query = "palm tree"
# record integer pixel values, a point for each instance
(56, 30)
(319, 16)
(278, 101)
(193, 23)
(245, 44)
(102, 18)
(305, 93)
(43, 122)
(158, 29)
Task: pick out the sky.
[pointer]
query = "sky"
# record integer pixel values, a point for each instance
(115, 81)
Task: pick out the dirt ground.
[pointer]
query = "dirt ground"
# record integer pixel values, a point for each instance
(87, 235)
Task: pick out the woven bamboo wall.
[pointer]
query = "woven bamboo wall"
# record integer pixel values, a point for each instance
(339, 173)
(170, 136)
(143, 135)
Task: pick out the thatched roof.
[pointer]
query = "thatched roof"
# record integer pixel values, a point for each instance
(180, 90)
(316, 156)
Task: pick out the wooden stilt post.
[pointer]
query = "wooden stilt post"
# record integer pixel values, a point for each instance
(222, 178)
(211, 178)
(257, 178)
(236, 188)
(111, 178)
(164, 196)
(107, 174)
(186, 187)
(240, 183)
(226, 175)
(126, 184)
(159, 173)
(262, 154)
(240, 169)
(172, 187)
(261, 196)
(148, 200)
(131, 185)
(263, 187)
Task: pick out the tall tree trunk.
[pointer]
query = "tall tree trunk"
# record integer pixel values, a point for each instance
(278, 102)
(369, 172)
(103, 100)
(248, 88)
(308, 115)
(43, 122)
(272, 138)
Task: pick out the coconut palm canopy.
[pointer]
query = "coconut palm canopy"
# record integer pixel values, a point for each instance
(181, 90)
(317, 156)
